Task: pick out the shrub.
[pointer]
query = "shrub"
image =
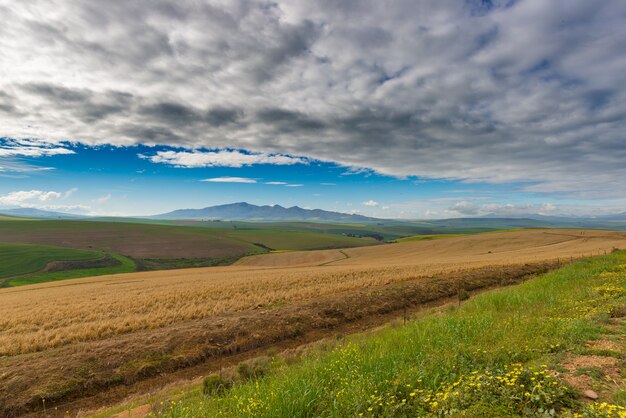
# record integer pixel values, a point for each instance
(215, 384)
(254, 369)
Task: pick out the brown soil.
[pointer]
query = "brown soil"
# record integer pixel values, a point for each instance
(106, 261)
(610, 368)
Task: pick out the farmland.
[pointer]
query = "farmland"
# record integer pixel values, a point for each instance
(140, 240)
(59, 339)
(531, 350)
(110, 263)
(141, 246)
(20, 259)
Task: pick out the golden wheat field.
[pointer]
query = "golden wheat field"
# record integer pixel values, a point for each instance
(71, 341)
(39, 317)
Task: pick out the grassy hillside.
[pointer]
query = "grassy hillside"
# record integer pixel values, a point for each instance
(134, 240)
(151, 246)
(528, 350)
(19, 259)
(22, 264)
(140, 240)
(387, 230)
(122, 265)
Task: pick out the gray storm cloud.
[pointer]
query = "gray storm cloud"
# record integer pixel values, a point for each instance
(494, 91)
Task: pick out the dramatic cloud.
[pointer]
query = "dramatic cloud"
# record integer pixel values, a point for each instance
(221, 158)
(230, 180)
(493, 91)
(28, 198)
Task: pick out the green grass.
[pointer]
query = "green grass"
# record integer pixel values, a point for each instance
(126, 265)
(19, 259)
(493, 356)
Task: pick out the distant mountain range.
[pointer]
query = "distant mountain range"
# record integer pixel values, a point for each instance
(38, 214)
(245, 211)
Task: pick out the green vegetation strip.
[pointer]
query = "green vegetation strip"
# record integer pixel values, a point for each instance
(496, 355)
(126, 265)
(413, 238)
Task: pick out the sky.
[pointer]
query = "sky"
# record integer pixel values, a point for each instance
(401, 109)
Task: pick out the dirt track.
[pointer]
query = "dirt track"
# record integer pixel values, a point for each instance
(82, 337)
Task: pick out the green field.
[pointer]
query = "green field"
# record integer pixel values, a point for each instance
(22, 264)
(503, 353)
(126, 265)
(143, 246)
(20, 259)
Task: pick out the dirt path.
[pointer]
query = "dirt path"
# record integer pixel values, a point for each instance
(342, 252)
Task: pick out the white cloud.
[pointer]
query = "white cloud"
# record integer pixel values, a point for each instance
(466, 208)
(371, 203)
(70, 192)
(230, 180)
(283, 183)
(220, 158)
(104, 199)
(28, 198)
(30, 148)
(78, 209)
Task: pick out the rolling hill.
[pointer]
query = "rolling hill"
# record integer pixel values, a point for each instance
(156, 247)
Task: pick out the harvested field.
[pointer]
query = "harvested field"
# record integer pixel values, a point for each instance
(466, 251)
(69, 339)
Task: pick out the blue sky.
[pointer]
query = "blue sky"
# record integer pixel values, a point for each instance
(107, 180)
(431, 108)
